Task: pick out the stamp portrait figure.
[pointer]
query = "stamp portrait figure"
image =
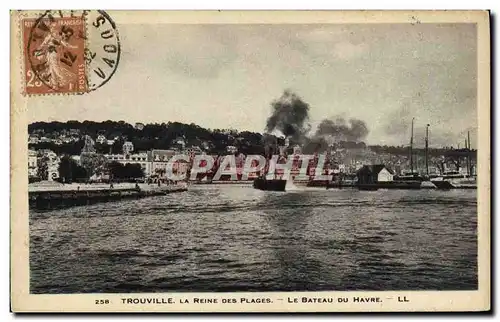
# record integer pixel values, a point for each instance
(54, 61)
(56, 71)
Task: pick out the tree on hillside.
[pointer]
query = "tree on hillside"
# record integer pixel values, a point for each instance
(43, 169)
(73, 148)
(123, 172)
(93, 163)
(66, 169)
(133, 171)
(164, 136)
(116, 170)
(70, 171)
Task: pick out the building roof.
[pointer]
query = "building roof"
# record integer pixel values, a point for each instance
(374, 168)
(163, 155)
(45, 151)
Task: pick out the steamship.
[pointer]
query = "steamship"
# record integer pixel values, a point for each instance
(262, 183)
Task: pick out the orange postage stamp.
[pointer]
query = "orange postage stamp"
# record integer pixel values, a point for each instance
(54, 50)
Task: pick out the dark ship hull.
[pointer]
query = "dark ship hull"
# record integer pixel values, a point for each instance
(400, 185)
(449, 184)
(269, 185)
(404, 185)
(443, 185)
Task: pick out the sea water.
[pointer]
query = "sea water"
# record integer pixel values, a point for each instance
(234, 238)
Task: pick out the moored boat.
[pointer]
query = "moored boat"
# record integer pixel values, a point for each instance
(455, 182)
(407, 185)
(401, 185)
(411, 176)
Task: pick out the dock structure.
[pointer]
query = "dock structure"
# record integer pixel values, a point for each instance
(62, 197)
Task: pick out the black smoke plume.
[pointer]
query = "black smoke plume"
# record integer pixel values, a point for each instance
(340, 130)
(330, 132)
(289, 116)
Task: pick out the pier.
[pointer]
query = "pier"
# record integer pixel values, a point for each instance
(42, 197)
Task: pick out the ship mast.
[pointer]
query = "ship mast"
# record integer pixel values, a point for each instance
(468, 155)
(411, 146)
(427, 149)
(466, 158)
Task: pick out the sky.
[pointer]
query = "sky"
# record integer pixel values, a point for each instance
(226, 76)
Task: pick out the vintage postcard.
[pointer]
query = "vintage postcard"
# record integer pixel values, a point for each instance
(213, 161)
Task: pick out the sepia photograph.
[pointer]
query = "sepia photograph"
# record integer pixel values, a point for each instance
(261, 163)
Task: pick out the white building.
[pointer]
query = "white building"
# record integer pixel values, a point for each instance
(33, 139)
(76, 158)
(231, 149)
(194, 150)
(384, 175)
(180, 142)
(205, 145)
(137, 158)
(101, 139)
(159, 160)
(153, 163)
(32, 163)
(128, 147)
(139, 126)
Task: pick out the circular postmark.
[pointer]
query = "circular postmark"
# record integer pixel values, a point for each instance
(71, 52)
(102, 55)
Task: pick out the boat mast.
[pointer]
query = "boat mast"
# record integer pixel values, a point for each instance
(468, 155)
(466, 158)
(411, 146)
(427, 149)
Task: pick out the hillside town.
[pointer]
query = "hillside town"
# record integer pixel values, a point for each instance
(97, 154)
